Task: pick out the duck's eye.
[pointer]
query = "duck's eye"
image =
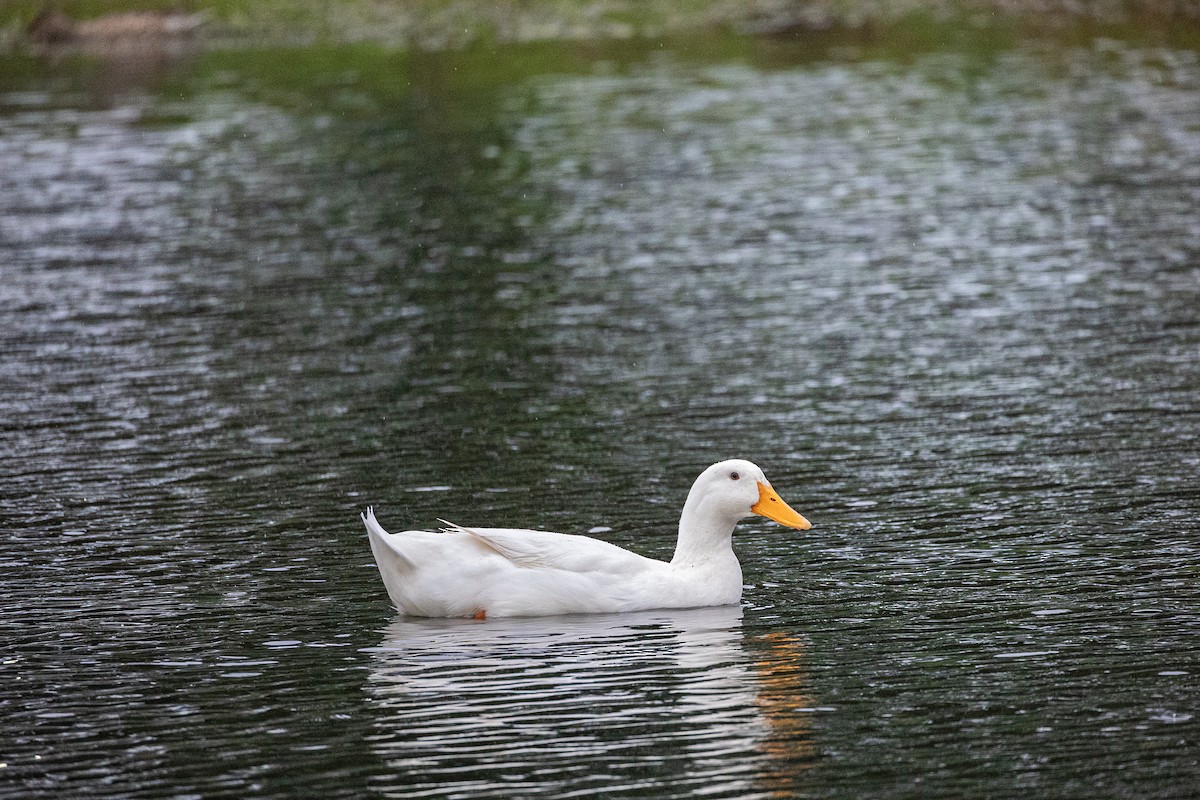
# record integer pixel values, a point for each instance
(733, 476)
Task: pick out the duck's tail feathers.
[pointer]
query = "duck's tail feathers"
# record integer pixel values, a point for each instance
(373, 526)
(382, 541)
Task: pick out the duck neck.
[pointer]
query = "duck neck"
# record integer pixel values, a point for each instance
(704, 535)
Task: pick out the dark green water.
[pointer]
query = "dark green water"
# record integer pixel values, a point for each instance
(950, 301)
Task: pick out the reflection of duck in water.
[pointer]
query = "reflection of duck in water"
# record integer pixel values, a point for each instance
(53, 27)
(673, 700)
(786, 703)
(494, 572)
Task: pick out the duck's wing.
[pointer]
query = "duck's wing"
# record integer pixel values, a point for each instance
(547, 550)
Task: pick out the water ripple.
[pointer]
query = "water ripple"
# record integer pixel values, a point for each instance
(949, 303)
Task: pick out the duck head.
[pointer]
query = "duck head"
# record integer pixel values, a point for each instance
(736, 489)
(723, 494)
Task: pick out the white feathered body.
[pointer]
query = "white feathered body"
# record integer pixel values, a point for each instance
(506, 572)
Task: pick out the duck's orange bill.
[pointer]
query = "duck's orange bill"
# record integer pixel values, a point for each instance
(770, 505)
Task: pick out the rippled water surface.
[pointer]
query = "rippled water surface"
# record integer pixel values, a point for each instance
(950, 301)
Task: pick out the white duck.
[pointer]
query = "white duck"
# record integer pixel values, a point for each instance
(505, 572)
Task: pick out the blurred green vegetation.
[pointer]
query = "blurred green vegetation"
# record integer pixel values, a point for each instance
(439, 24)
